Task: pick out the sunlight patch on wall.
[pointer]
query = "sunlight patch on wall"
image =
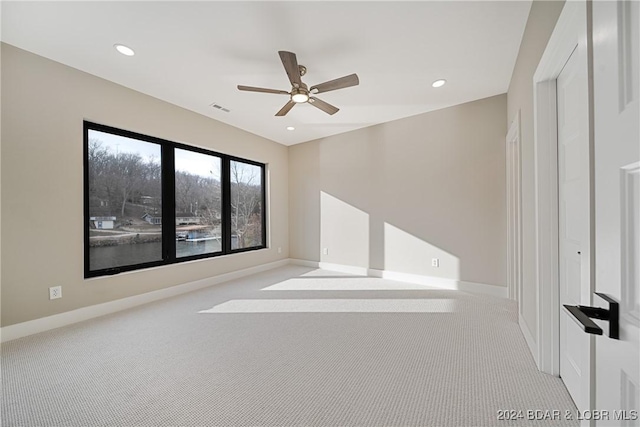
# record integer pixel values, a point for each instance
(336, 306)
(344, 232)
(406, 253)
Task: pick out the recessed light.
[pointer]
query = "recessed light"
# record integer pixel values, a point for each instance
(125, 50)
(290, 128)
(439, 83)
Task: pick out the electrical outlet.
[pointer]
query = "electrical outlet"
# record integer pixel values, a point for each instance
(55, 292)
(279, 250)
(435, 262)
(325, 251)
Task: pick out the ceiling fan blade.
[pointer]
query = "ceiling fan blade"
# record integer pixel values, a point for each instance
(261, 89)
(327, 108)
(342, 82)
(290, 63)
(287, 107)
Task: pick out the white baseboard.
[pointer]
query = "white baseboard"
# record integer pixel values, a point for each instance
(341, 268)
(43, 324)
(338, 268)
(304, 263)
(437, 282)
(441, 282)
(528, 337)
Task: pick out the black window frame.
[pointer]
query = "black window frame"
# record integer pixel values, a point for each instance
(168, 201)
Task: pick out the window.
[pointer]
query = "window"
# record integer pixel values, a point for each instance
(125, 201)
(152, 202)
(246, 205)
(198, 203)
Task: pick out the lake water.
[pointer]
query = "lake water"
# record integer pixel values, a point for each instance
(115, 256)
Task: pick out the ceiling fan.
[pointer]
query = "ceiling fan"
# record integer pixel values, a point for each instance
(300, 93)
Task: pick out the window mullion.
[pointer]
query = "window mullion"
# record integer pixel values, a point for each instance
(226, 204)
(168, 204)
(264, 206)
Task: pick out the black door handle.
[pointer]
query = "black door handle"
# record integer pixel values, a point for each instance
(583, 314)
(581, 318)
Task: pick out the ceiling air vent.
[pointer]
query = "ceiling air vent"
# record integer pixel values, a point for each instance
(219, 107)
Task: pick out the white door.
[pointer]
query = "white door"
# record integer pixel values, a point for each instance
(573, 225)
(616, 48)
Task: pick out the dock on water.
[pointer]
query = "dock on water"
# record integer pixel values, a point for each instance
(202, 239)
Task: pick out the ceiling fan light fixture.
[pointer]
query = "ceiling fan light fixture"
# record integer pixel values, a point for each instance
(125, 50)
(299, 96)
(290, 128)
(439, 83)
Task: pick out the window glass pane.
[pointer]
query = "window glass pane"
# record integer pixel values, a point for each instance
(246, 205)
(125, 201)
(198, 203)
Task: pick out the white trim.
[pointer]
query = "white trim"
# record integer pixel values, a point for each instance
(341, 268)
(304, 263)
(528, 337)
(546, 220)
(570, 32)
(437, 282)
(444, 283)
(514, 211)
(43, 324)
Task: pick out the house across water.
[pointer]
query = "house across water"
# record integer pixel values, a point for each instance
(103, 222)
(181, 219)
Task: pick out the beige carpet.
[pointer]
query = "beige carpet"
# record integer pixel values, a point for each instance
(288, 347)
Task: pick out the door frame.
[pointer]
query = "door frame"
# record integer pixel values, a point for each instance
(513, 151)
(571, 31)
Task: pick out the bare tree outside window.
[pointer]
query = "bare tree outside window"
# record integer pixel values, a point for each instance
(125, 203)
(246, 205)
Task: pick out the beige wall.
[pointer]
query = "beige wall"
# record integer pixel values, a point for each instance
(395, 195)
(540, 25)
(43, 106)
(390, 197)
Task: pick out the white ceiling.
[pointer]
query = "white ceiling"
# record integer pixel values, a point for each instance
(193, 54)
